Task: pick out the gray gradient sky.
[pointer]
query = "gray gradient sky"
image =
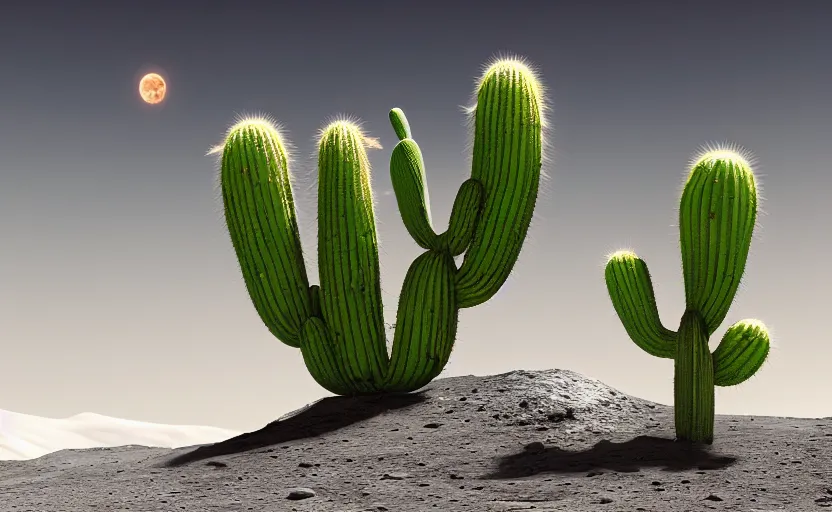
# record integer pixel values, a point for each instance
(119, 289)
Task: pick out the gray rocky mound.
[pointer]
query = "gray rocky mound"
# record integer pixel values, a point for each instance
(525, 440)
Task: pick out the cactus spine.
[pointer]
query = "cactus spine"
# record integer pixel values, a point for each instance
(717, 212)
(339, 325)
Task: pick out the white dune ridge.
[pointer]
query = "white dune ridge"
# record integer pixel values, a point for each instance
(24, 437)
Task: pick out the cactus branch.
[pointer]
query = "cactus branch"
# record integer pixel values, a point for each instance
(407, 172)
(742, 351)
(348, 254)
(260, 214)
(631, 292)
(400, 124)
(507, 158)
(467, 206)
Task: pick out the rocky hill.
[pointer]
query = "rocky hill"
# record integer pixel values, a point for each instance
(525, 440)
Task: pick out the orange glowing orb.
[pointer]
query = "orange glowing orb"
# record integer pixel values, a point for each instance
(152, 88)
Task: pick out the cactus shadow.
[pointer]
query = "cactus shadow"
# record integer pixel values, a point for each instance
(627, 457)
(318, 418)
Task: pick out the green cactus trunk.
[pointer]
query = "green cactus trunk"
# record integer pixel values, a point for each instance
(693, 381)
(426, 322)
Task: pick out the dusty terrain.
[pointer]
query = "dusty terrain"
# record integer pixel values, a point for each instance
(542, 441)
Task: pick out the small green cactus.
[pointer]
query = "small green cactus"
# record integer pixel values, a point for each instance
(339, 325)
(717, 213)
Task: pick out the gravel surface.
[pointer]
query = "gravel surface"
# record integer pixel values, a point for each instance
(526, 440)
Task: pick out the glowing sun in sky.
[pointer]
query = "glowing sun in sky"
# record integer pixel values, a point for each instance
(152, 88)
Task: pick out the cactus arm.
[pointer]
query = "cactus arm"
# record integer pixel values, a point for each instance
(322, 358)
(350, 289)
(631, 291)
(742, 351)
(717, 213)
(260, 215)
(426, 323)
(507, 157)
(407, 172)
(464, 214)
(400, 124)
(693, 381)
(241, 239)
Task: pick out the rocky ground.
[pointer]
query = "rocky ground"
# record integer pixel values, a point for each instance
(544, 441)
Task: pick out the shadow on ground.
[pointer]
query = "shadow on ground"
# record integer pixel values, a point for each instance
(627, 457)
(321, 417)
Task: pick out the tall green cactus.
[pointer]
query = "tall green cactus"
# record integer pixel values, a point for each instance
(339, 325)
(717, 213)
